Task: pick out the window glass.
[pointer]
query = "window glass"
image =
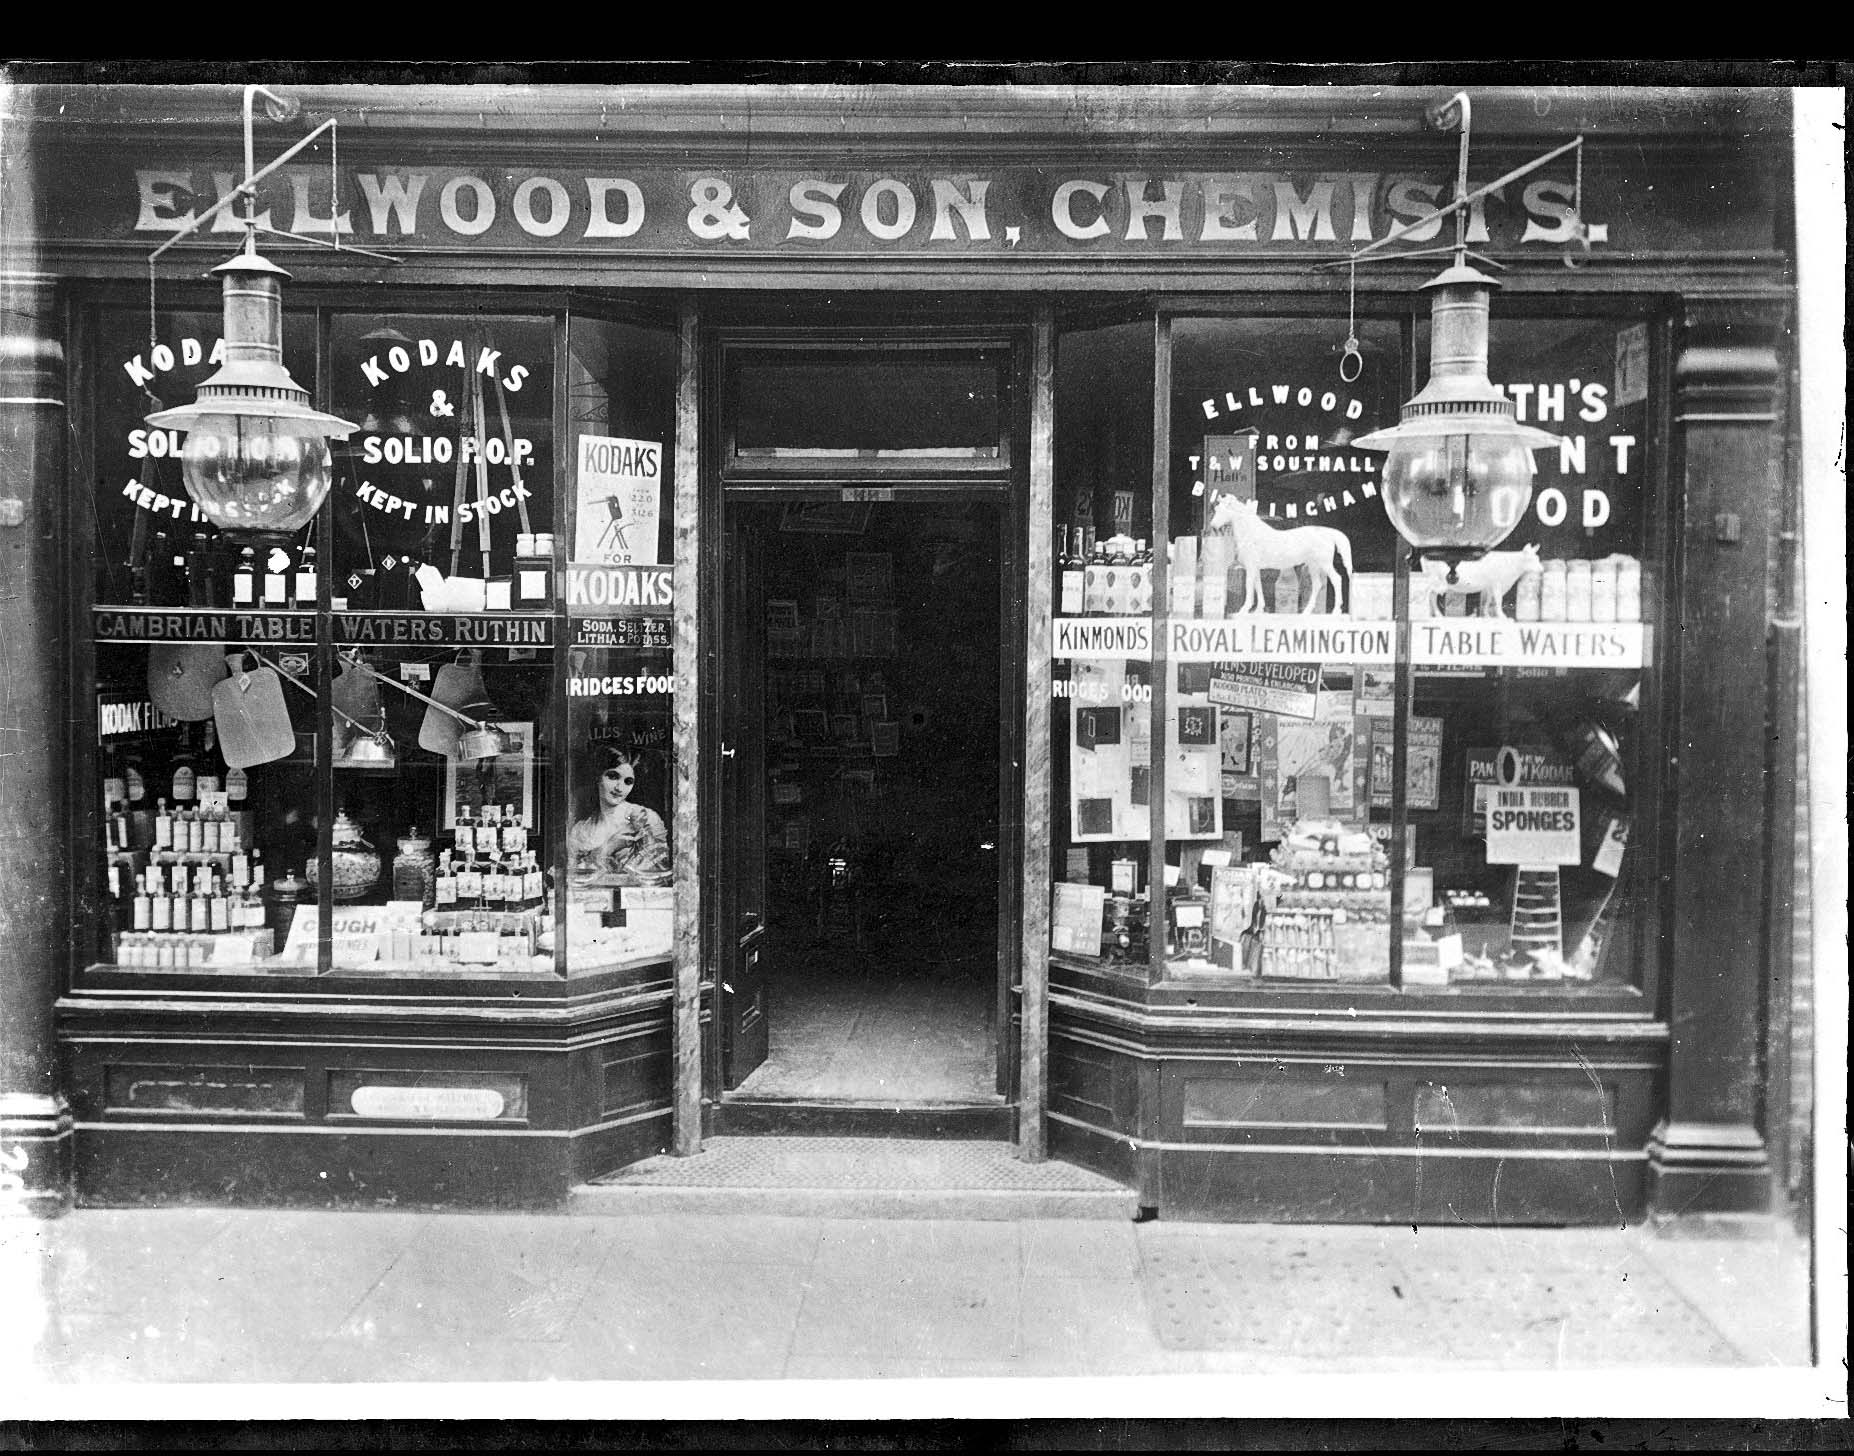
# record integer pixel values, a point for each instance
(440, 494)
(1101, 730)
(1532, 848)
(439, 845)
(1280, 640)
(151, 545)
(619, 746)
(201, 862)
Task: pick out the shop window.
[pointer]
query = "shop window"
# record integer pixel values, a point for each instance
(619, 748)
(1101, 761)
(1533, 853)
(380, 750)
(1259, 676)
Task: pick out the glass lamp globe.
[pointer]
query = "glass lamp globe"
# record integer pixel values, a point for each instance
(1457, 495)
(1458, 466)
(256, 458)
(256, 474)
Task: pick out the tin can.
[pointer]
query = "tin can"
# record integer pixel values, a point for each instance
(1577, 591)
(1527, 598)
(1628, 589)
(1603, 590)
(1552, 592)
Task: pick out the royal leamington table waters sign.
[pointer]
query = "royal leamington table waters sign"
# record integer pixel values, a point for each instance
(1437, 642)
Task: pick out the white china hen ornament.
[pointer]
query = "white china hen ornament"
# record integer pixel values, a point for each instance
(1491, 576)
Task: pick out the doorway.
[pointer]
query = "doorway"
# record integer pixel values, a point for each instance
(865, 770)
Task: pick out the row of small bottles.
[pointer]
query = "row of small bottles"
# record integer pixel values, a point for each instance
(490, 882)
(192, 772)
(186, 831)
(200, 571)
(1102, 578)
(196, 898)
(495, 830)
(152, 950)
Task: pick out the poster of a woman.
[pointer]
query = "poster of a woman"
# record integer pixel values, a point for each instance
(616, 841)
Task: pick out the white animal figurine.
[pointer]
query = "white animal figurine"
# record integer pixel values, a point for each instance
(1260, 547)
(1492, 576)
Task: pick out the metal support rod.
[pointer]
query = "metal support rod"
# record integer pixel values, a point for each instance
(294, 681)
(244, 189)
(393, 682)
(1454, 207)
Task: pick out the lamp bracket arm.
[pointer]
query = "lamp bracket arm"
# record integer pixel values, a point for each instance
(244, 189)
(1459, 204)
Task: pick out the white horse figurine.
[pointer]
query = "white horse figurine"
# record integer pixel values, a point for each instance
(1260, 546)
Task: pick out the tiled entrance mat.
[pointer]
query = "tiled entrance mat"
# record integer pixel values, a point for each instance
(1364, 1294)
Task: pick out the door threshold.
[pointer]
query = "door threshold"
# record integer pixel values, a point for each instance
(980, 1118)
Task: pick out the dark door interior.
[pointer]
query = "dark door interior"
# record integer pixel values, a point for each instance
(862, 802)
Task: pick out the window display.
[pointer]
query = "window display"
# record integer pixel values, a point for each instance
(1377, 769)
(339, 755)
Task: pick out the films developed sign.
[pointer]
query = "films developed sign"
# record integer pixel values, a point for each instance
(1289, 689)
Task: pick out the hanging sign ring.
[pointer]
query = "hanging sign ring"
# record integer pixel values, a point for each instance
(1351, 356)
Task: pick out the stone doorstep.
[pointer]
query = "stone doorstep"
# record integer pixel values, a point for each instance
(984, 1204)
(857, 1177)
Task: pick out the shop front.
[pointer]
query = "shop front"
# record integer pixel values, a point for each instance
(891, 627)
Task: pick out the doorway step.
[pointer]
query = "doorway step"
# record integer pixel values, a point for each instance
(840, 1177)
(848, 1117)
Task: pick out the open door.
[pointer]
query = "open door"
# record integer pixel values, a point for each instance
(864, 778)
(744, 1001)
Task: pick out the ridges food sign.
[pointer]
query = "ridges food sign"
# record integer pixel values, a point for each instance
(832, 210)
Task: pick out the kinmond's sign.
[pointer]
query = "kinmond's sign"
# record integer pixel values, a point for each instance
(832, 210)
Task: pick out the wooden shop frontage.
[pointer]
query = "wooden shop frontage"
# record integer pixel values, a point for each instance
(867, 612)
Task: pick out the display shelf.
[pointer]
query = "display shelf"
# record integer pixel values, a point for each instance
(1339, 639)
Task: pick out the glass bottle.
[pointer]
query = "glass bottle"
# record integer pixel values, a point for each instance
(244, 579)
(304, 588)
(185, 781)
(276, 578)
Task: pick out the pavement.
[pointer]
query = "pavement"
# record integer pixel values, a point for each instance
(115, 1300)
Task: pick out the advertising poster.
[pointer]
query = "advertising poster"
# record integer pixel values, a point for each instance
(618, 490)
(1534, 826)
(1422, 769)
(1290, 749)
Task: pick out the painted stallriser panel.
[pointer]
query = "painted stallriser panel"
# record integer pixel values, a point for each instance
(161, 1123)
(1424, 1105)
(278, 1167)
(1318, 1185)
